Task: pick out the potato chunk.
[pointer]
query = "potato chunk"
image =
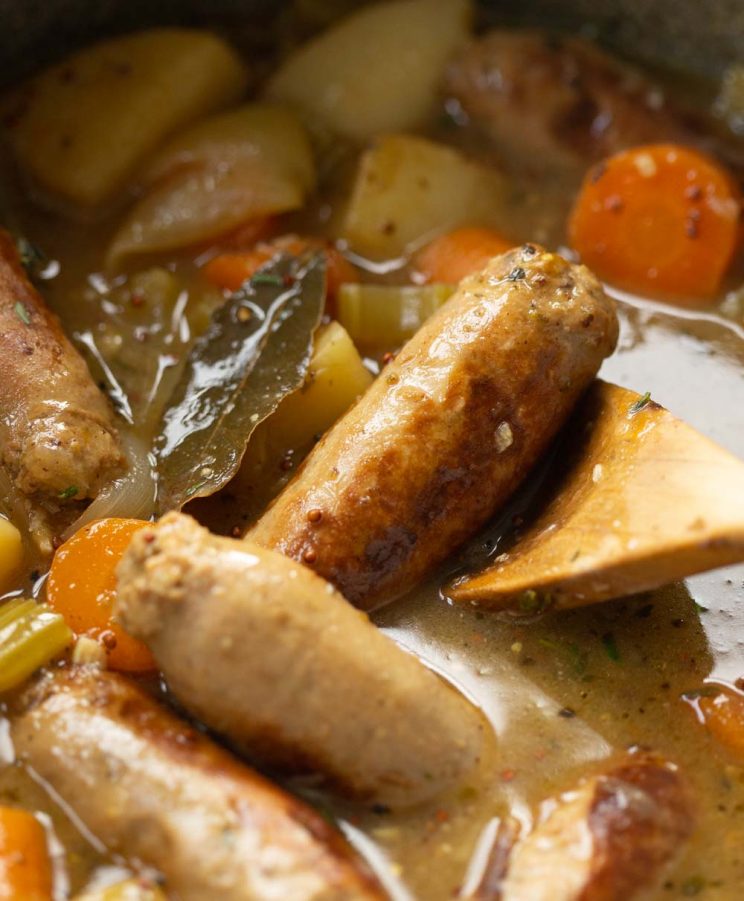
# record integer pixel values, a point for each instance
(246, 163)
(377, 70)
(85, 124)
(11, 552)
(408, 188)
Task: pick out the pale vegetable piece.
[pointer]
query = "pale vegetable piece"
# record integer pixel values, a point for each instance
(248, 163)
(377, 70)
(88, 122)
(128, 890)
(11, 552)
(408, 189)
(730, 102)
(336, 378)
(388, 315)
(31, 635)
(645, 500)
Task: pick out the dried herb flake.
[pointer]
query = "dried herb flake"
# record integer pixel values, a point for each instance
(640, 404)
(22, 313)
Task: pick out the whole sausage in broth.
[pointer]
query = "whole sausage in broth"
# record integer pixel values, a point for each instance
(267, 654)
(448, 430)
(155, 790)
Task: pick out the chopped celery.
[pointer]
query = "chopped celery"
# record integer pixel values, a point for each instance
(31, 635)
(387, 315)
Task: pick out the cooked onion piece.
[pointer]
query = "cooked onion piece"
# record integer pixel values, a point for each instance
(250, 162)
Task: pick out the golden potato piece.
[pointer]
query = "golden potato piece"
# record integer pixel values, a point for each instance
(377, 70)
(408, 188)
(11, 552)
(86, 123)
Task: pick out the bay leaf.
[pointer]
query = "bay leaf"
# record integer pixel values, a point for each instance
(255, 351)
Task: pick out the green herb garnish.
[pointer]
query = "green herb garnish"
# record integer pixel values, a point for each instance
(693, 886)
(192, 489)
(68, 492)
(640, 404)
(266, 278)
(610, 646)
(22, 313)
(32, 258)
(530, 602)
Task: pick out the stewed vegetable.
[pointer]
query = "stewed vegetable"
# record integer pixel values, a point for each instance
(304, 318)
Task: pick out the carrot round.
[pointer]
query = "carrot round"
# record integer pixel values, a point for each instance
(25, 865)
(452, 256)
(660, 220)
(82, 585)
(722, 715)
(229, 270)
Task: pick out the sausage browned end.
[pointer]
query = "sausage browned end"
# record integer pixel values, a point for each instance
(555, 102)
(269, 655)
(448, 430)
(608, 840)
(156, 791)
(57, 435)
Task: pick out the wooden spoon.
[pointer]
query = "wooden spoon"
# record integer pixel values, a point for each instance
(646, 500)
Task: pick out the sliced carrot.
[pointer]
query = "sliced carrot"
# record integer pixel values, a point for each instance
(25, 865)
(229, 270)
(722, 714)
(458, 253)
(82, 586)
(659, 219)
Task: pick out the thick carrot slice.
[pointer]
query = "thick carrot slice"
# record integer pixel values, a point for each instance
(660, 220)
(722, 714)
(25, 865)
(229, 270)
(82, 585)
(458, 253)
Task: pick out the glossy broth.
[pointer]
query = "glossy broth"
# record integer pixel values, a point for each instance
(564, 692)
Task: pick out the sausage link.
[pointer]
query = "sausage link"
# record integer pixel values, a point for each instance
(448, 430)
(608, 840)
(267, 654)
(57, 435)
(156, 791)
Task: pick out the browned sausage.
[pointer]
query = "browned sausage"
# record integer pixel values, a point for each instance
(156, 791)
(607, 840)
(57, 436)
(547, 101)
(266, 653)
(448, 430)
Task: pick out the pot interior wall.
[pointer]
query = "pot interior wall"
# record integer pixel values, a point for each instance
(705, 36)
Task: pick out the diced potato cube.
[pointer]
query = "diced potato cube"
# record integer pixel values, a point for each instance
(377, 70)
(336, 378)
(11, 553)
(408, 189)
(84, 125)
(214, 176)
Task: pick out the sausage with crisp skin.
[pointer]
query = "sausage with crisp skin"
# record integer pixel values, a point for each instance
(555, 102)
(57, 435)
(448, 430)
(270, 656)
(158, 792)
(609, 839)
